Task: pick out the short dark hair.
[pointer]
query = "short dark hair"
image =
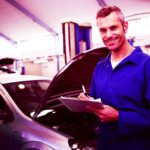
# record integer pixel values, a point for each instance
(105, 11)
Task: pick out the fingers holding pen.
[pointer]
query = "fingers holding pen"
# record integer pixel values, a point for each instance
(83, 96)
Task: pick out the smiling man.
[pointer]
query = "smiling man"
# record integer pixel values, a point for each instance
(113, 30)
(122, 81)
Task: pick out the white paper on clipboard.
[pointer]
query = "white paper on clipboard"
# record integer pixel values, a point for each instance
(77, 105)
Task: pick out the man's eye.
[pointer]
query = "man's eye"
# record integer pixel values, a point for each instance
(113, 28)
(102, 30)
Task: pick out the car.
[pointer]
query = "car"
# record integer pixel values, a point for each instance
(32, 116)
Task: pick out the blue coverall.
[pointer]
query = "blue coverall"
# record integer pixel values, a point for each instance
(127, 89)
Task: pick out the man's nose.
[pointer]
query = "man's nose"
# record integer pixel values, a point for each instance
(109, 33)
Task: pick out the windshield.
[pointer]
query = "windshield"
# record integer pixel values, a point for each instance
(27, 94)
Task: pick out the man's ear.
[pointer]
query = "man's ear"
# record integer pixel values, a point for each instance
(125, 26)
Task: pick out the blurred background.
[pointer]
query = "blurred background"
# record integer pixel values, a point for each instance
(40, 37)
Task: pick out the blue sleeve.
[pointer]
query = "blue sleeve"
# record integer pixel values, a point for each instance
(138, 122)
(131, 123)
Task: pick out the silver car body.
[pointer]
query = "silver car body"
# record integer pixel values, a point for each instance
(28, 133)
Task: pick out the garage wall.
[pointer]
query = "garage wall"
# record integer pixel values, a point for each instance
(32, 68)
(47, 68)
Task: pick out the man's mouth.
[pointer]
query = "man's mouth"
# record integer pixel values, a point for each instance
(111, 41)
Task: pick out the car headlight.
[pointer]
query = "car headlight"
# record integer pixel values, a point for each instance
(88, 148)
(74, 145)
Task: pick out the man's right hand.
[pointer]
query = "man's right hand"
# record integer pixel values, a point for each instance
(82, 96)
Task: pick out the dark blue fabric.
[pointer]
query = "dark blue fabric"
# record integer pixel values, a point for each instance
(126, 88)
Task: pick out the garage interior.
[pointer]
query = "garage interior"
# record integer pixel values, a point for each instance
(31, 31)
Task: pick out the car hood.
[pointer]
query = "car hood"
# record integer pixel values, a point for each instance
(77, 72)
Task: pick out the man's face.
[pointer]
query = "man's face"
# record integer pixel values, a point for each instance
(112, 31)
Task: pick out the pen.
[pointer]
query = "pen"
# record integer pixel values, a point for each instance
(83, 88)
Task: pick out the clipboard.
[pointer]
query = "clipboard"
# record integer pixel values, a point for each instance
(77, 105)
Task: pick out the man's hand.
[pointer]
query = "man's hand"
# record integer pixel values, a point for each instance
(107, 114)
(82, 96)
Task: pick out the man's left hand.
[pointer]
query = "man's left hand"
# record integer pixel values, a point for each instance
(107, 114)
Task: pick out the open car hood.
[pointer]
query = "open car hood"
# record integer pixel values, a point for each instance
(68, 81)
